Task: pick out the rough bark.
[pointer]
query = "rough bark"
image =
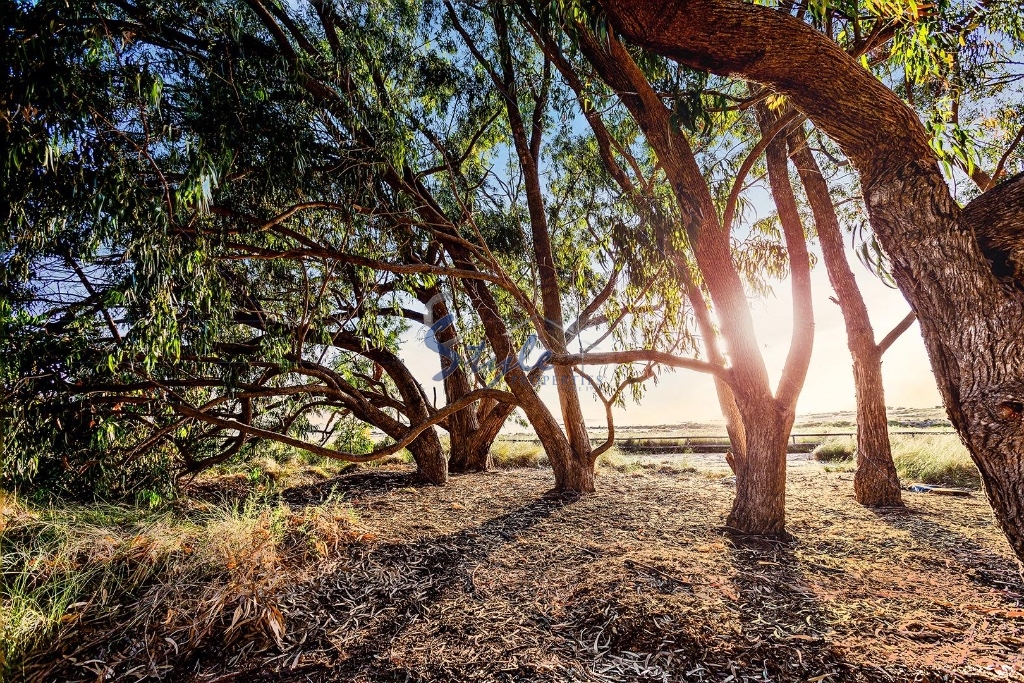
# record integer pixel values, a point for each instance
(875, 482)
(971, 311)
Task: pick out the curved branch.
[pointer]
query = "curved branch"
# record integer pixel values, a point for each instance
(323, 451)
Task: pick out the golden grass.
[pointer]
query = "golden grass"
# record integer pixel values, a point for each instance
(935, 459)
(835, 449)
(509, 455)
(210, 569)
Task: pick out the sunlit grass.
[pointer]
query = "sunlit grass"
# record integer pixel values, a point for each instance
(935, 459)
(211, 569)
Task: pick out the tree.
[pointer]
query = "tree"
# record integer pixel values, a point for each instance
(958, 267)
(762, 417)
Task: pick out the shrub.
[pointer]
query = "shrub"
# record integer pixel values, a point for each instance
(835, 449)
(517, 454)
(935, 459)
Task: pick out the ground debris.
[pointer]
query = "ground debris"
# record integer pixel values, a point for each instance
(488, 580)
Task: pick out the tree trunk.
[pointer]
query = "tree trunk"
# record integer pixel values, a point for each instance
(764, 462)
(431, 465)
(463, 454)
(527, 141)
(467, 453)
(875, 483)
(760, 503)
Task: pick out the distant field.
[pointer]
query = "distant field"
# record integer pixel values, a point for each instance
(839, 422)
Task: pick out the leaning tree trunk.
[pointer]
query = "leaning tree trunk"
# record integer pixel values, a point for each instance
(875, 483)
(578, 474)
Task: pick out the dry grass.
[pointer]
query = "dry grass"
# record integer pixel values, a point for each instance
(184, 575)
(835, 449)
(518, 454)
(487, 580)
(939, 460)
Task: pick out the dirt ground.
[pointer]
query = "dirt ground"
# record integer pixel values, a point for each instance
(488, 580)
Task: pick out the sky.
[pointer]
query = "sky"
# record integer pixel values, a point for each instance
(684, 396)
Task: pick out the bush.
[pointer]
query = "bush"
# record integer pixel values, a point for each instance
(517, 454)
(835, 449)
(935, 459)
(613, 459)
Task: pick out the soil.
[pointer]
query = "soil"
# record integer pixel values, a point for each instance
(487, 579)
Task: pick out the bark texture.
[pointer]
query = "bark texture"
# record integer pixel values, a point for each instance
(971, 310)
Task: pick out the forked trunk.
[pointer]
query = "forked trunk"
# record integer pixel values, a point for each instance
(467, 453)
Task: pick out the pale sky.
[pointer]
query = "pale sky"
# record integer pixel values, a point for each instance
(682, 396)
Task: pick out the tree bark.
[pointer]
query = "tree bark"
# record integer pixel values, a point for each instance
(759, 507)
(875, 483)
(970, 305)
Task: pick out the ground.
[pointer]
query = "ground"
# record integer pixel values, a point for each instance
(486, 579)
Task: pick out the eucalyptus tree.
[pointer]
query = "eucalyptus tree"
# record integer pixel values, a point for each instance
(299, 166)
(136, 172)
(949, 63)
(957, 266)
(701, 242)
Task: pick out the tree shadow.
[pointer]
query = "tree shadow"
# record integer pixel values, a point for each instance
(383, 589)
(980, 565)
(786, 632)
(364, 484)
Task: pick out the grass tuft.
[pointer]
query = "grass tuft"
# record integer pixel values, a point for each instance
(613, 459)
(509, 455)
(941, 460)
(835, 449)
(191, 574)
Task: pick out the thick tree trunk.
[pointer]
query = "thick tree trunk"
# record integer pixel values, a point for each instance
(760, 503)
(431, 465)
(466, 453)
(875, 482)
